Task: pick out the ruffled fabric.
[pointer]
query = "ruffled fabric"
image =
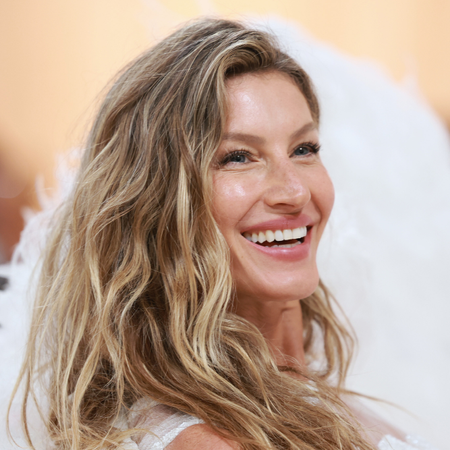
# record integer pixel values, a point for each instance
(412, 443)
(164, 424)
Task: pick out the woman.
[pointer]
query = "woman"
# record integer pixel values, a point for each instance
(179, 292)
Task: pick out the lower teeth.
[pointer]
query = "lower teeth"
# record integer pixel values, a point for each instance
(286, 245)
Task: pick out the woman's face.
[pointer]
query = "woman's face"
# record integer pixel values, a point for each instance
(272, 195)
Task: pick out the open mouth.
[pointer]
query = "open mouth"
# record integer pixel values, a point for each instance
(279, 238)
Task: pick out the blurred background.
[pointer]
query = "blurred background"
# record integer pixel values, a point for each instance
(55, 58)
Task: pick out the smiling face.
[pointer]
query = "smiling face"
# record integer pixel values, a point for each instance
(272, 195)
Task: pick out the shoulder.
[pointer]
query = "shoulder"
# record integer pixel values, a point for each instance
(201, 436)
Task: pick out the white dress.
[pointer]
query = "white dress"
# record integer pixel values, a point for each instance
(167, 423)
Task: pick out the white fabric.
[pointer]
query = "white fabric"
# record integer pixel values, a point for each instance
(412, 443)
(165, 424)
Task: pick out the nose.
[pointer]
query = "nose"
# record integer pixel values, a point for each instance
(286, 188)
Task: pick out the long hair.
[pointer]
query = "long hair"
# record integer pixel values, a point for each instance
(135, 293)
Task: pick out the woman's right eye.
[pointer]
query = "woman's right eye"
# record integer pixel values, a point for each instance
(236, 157)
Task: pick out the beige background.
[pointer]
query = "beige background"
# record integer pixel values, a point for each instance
(56, 56)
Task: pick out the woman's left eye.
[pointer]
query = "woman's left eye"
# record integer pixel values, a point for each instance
(306, 148)
(238, 156)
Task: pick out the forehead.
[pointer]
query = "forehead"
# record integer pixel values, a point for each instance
(256, 80)
(266, 102)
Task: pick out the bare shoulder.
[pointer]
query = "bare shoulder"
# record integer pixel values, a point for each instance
(201, 436)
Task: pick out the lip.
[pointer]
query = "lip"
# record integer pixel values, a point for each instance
(297, 253)
(283, 223)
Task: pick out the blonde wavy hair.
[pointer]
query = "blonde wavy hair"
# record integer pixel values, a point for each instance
(135, 294)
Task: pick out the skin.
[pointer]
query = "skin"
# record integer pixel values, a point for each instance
(201, 437)
(278, 177)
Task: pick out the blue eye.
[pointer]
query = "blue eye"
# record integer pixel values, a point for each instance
(239, 157)
(306, 148)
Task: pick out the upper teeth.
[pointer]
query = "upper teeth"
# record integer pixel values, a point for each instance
(277, 235)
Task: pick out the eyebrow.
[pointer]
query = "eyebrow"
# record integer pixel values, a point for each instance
(258, 140)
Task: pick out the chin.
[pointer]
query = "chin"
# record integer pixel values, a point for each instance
(302, 292)
(298, 289)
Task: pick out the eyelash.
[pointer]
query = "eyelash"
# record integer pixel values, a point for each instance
(229, 156)
(313, 147)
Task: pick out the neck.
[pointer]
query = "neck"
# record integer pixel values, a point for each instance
(282, 326)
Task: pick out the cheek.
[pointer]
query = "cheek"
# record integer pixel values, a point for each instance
(324, 196)
(226, 190)
(230, 200)
(328, 195)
